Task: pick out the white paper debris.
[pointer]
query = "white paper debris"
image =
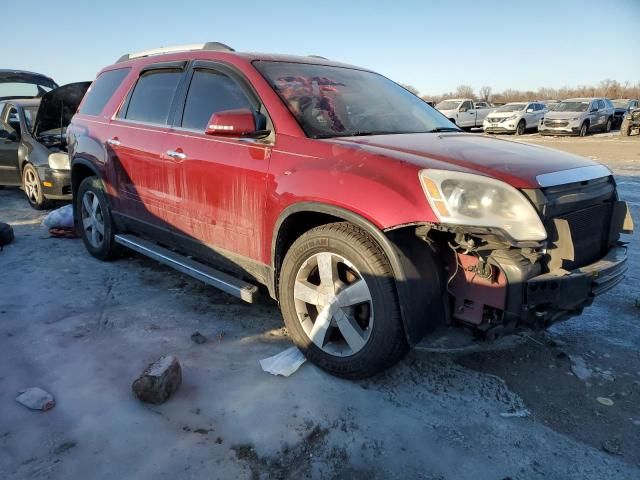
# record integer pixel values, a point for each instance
(284, 363)
(60, 218)
(36, 399)
(517, 414)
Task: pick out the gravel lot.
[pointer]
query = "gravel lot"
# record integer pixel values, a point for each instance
(83, 330)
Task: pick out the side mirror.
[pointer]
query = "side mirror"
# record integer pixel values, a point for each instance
(529, 110)
(463, 109)
(234, 123)
(593, 109)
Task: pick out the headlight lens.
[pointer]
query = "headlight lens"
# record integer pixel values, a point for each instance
(59, 161)
(466, 199)
(512, 117)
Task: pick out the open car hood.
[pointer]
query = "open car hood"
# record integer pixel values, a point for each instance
(58, 106)
(41, 84)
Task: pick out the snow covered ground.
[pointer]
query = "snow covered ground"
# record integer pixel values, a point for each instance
(83, 330)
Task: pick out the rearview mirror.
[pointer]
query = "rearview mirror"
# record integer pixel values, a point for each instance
(234, 123)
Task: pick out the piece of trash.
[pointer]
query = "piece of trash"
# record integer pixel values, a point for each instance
(36, 398)
(516, 414)
(198, 338)
(67, 232)
(59, 218)
(284, 363)
(579, 367)
(159, 380)
(607, 402)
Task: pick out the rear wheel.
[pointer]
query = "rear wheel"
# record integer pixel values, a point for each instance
(607, 127)
(32, 187)
(521, 128)
(584, 129)
(338, 300)
(93, 217)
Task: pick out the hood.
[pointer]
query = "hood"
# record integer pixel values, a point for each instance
(504, 114)
(563, 115)
(58, 106)
(41, 84)
(515, 163)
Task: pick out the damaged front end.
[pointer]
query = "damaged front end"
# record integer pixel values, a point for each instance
(495, 284)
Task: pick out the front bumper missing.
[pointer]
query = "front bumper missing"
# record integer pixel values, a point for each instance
(551, 292)
(56, 184)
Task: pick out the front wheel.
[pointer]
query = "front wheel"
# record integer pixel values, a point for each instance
(337, 297)
(32, 187)
(93, 218)
(607, 127)
(584, 129)
(521, 128)
(625, 128)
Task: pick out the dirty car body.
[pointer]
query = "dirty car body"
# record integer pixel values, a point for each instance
(303, 157)
(33, 135)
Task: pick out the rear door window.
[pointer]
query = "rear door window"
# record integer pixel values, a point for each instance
(210, 92)
(101, 91)
(152, 96)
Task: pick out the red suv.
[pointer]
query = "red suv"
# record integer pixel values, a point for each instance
(367, 215)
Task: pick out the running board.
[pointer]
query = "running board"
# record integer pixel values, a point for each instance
(227, 283)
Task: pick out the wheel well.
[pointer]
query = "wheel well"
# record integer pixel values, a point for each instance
(79, 173)
(293, 226)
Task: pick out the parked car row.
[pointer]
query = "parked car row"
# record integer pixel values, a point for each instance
(574, 116)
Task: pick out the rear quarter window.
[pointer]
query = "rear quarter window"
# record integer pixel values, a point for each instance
(101, 91)
(152, 96)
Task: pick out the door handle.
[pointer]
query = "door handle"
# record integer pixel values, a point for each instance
(114, 142)
(176, 155)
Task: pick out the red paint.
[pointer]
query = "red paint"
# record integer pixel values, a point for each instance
(230, 192)
(472, 292)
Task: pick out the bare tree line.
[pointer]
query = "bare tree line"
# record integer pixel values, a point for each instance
(606, 88)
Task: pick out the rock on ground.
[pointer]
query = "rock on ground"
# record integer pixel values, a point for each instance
(159, 381)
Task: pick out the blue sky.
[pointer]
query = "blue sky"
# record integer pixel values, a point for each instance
(433, 45)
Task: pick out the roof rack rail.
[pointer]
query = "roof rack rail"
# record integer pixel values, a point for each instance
(212, 46)
(318, 56)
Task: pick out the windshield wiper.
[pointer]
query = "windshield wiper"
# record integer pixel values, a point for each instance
(443, 129)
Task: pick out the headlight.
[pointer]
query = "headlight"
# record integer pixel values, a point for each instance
(512, 117)
(573, 119)
(59, 161)
(466, 199)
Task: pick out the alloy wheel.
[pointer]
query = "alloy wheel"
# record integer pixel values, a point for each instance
(333, 304)
(92, 219)
(31, 185)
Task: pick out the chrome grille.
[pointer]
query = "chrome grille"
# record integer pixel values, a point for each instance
(555, 123)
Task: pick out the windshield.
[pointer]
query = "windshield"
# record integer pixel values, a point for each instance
(448, 105)
(620, 103)
(30, 116)
(512, 107)
(338, 102)
(571, 107)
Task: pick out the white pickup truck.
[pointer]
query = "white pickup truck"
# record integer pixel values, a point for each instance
(465, 112)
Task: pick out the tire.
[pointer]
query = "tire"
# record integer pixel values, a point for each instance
(92, 214)
(607, 127)
(625, 128)
(32, 187)
(453, 120)
(584, 129)
(372, 323)
(521, 128)
(6, 234)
